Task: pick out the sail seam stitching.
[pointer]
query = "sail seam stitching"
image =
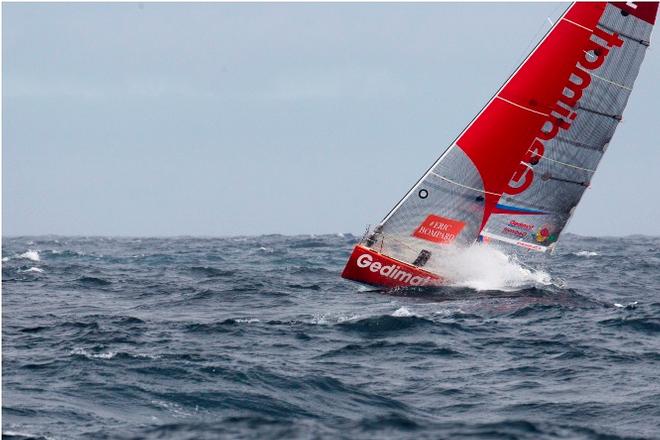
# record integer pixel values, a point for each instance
(523, 107)
(465, 186)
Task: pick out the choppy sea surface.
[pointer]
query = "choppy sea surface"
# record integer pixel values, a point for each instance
(259, 337)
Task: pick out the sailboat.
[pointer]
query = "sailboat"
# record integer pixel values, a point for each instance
(517, 172)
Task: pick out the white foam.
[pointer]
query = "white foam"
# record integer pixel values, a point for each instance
(34, 269)
(484, 267)
(176, 409)
(247, 320)
(24, 434)
(585, 254)
(108, 355)
(30, 255)
(87, 354)
(402, 312)
(5, 259)
(630, 305)
(448, 312)
(325, 318)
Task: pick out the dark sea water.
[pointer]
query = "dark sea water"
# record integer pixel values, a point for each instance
(259, 337)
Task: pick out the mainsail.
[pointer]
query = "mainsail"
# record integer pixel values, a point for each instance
(518, 170)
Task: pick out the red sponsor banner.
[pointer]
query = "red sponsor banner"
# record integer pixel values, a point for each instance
(369, 267)
(439, 229)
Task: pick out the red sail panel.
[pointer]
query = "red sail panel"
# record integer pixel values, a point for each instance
(499, 138)
(646, 11)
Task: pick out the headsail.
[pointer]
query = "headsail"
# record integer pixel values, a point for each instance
(519, 169)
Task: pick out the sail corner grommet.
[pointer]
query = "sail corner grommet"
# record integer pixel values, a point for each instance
(423, 193)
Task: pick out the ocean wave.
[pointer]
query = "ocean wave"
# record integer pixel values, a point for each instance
(33, 270)
(585, 254)
(482, 267)
(386, 422)
(211, 272)
(402, 312)
(23, 435)
(383, 324)
(93, 281)
(161, 348)
(421, 348)
(224, 326)
(30, 255)
(649, 325)
(110, 354)
(66, 253)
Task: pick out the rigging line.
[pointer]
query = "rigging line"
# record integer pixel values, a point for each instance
(523, 107)
(536, 36)
(578, 24)
(604, 79)
(465, 186)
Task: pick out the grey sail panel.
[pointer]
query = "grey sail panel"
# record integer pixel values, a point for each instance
(444, 207)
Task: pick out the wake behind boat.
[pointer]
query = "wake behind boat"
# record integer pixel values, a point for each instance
(517, 172)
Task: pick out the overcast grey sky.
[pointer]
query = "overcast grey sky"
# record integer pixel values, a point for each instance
(223, 119)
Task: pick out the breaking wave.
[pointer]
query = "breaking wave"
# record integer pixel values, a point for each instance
(33, 269)
(482, 267)
(30, 255)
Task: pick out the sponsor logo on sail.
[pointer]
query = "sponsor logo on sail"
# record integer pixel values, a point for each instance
(563, 114)
(393, 271)
(545, 235)
(518, 229)
(439, 229)
(517, 233)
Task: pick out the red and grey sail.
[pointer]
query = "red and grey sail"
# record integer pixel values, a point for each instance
(519, 169)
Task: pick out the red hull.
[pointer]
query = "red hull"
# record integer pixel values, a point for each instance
(369, 267)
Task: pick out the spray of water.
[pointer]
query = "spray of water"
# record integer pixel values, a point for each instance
(483, 267)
